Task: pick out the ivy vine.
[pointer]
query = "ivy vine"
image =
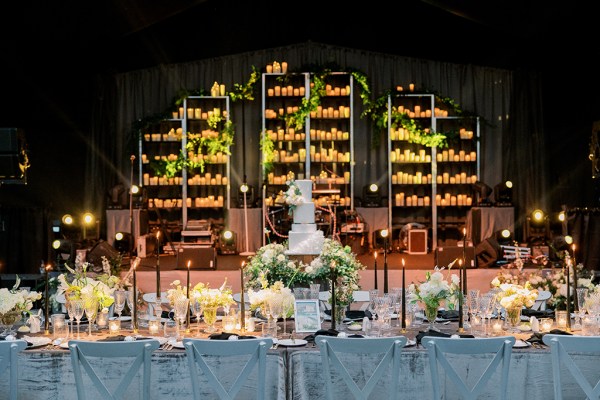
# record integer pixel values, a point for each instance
(268, 151)
(245, 91)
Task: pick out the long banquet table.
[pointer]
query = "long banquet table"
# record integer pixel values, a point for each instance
(295, 373)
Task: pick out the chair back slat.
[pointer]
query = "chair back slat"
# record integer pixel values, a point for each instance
(500, 347)
(198, 350)
(561, 347)
(140, 351)
(391, 348)
(9, 352)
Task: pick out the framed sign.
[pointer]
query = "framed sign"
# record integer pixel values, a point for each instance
(307, 315)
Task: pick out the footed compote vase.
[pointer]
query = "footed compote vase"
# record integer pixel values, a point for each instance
(431, 311)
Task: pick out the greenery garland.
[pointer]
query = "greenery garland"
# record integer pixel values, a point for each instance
(245, 91)
(268, 151)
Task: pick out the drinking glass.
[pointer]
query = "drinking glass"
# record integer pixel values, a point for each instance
(197, 310)
(91, 310)
(120, 299)
(181, 310)
(78, 306)
(276, 307)
(581, 296)
(69, 307)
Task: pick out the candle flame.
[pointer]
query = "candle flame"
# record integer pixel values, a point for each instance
(464, 231)
(48, 267)
(243, 264)
(375, 255)
(573, 246)
(460, 262)
(403, 262)
(189, 262)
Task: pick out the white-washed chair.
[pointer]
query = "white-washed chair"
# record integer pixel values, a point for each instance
(362, 298)
(200, 350)
(542, 300)
(9, 352)
(332, 347)
(82, 352)
(150, 300)
(561, 348)
(499, 347)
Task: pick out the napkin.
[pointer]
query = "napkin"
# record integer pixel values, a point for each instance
(449, 315)
(226, 335)
(421, 335)
(321, 332)
(354, 314)
(537, 313)
(120, 338)
(538, 336)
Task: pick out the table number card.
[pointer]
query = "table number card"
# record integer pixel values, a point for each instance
(307, 315)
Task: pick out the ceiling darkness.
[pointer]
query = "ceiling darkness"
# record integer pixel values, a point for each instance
(51, 51)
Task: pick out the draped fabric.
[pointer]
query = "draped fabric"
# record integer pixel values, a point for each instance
(507, 102)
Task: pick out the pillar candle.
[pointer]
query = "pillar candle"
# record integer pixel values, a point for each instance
(242, 301)
(158, 292)
(47, 302)
(403, 314)
(375, 268)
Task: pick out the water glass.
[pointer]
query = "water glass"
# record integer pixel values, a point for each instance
(59, 326)
(269, 329)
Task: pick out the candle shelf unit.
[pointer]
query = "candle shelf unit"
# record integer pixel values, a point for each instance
(430, 185)
(318, 146)
(193, 185)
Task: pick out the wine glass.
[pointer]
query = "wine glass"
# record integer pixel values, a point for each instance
(582, 293)
(78, 306)
(69, 307)
(120, 299)
(276, 307)
(181, 310)
(91, 310)
(197, 310)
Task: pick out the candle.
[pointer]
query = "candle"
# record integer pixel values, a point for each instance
(188, 296)
(47, 314)
(114, 325)
(158, 292)
(460, 304)
(403, 315)
(575, 302)
(134, 316)
(375, 268)
(568, 313)
(242, 301)
(333, 278)
(153, 326)
(464, 263)
(497, 327)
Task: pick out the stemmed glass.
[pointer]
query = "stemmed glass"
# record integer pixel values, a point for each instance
(130, 302)
(582, 293)
(397, 305)
(276, 307)
(69, 306)
(120, 299)
(196, 305)
(287, 304)
(181, 310)
(91, 310)
(78, 306)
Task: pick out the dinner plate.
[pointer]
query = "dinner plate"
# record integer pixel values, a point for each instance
(292, 342)
(178, 345)
(521, 344)
(36, 341)
(354, 327)
(410, 342)
(524, 327)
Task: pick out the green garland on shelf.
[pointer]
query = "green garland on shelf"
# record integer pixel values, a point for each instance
(416, 134)
(310, 104)
(245, 91)
(267, 148)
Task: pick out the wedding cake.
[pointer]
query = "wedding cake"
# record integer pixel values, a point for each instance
(303, 238)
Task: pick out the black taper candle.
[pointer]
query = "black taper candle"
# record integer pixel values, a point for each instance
(460, 302)
(568, 267)
(375, 269)
(47, 303)
(333, 278)
(134, 311)
(403, 314)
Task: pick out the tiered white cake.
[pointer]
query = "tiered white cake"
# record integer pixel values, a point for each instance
(304, 238)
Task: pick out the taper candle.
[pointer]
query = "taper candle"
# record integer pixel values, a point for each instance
(575, 301)
(464, 262)
(134, 316)
(47, 302)
(242, 301)
(158, 292)
(333, 278)
(568, 267)
(403, 314)
(188, 316)
(375, 268)
(460, 302)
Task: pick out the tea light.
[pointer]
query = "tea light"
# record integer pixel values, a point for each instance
(250, 325)
(561, 319)
(497, 327)
(229, 322)
(546, 324)
(114, 325)
(102, 318)
(154, 326)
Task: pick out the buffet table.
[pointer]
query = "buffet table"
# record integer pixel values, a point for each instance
(295, 373)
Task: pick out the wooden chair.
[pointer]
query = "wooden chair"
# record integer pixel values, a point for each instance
(140, 351)
(437, 349)
(561, 347)
(198, 351)
(9, 352)
(390, 347)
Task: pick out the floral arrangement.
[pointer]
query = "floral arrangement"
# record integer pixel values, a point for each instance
(78, 284)
(293, 195)
(259, 299)
(516, 296)
(15, 300)
(270, 264)
(207, 296)
(435, 289)
(338, 259)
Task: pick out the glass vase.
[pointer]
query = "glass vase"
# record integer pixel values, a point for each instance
(8, 320)
(210, 317)
(513, 318)
(340, 314)
(431, 311)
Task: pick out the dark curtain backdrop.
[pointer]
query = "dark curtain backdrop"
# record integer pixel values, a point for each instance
(508, 103)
